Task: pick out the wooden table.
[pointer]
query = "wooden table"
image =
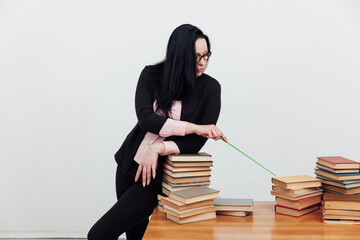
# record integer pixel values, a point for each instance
(263, 223)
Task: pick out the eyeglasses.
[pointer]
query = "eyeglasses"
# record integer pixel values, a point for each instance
(206, 57)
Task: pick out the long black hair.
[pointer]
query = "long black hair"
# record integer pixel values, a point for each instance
(179, 66)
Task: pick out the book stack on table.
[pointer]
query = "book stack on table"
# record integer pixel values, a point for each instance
(233, 206)
(186, 170)
(338, 175)
(296, 195)
(340, 179)
(343, 209)
(192, 204)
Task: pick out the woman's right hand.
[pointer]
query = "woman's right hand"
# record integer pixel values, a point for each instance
(208, 131)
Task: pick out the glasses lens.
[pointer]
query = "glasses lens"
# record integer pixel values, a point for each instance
(205, 57)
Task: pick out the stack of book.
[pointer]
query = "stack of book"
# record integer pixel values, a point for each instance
(296, 195)
(339, 175)
(233, 206)
(192, 204)
(343, 209)
(186, 170)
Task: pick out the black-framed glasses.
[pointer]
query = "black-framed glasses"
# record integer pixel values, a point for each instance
(206, 57)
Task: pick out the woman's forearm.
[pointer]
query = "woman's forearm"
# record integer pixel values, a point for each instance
(158, 147)
(190, 128)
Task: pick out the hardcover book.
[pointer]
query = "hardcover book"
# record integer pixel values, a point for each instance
(351, 170)
(195, 218)
(340, 184)
(294, 212)
(188, 184)
(342, 212)
(350, 181)
(296, 182)
(297, 192)
(296, 197)
(190, 157)
(233, 213)
(194, 194)
(170, 179)
(339, 221)
(179, 206)
(331, 216)
(185, 169)
(189, 212)
(189, 164)
(298, 204)
(233, 204)
(341, 202)
(186, 174)
(341, 190)
(338, 162)
(338, 176)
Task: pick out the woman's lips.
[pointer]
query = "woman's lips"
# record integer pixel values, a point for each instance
(200, 70)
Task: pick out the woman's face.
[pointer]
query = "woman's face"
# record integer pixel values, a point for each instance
(201, 49)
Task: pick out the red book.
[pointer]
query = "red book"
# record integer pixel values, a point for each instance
(298, 204)
(295, 212)
(338, 162)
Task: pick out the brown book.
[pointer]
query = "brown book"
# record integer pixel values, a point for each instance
(338, 162)
(182, 206)
(165, 191)
(190, 157)
(189, 212)
(169, 179)
(189, 184)
(354, 170)
(171, 188)
(339, 197)
(186, 174)
(233, 213)
(330, 216)
(341, 201)
(342, 205)
(297, 192)
(342, 212)
(340, 221)
(319, 176)
(185, 169)
(340, 184)
(296, 197)
(189, 164)
(160, 208)
(194, 194)
(298, 204)
(340, 189)
(195, 218)
(296, 182)
(233, 204)
(294, 212)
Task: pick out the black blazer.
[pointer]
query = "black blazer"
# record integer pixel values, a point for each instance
(201, 106)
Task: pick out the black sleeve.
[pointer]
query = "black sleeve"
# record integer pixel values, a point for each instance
(148, 120)
(192, 143)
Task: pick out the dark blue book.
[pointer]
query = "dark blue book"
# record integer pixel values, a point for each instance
(339, 174)
(344, 182)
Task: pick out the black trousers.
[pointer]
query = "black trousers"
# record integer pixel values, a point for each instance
(130, 214)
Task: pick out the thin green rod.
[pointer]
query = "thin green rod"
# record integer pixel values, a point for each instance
(249, 157)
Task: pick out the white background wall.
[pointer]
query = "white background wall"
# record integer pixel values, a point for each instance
(289, 72)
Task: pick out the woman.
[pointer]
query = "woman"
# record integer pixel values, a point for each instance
(177, 106)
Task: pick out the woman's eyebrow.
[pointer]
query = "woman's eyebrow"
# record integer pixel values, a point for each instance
(201, 54)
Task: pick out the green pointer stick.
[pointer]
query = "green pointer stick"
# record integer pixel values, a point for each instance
(249, 157)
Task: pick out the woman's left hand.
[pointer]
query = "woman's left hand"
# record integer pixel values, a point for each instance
(148, 164)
